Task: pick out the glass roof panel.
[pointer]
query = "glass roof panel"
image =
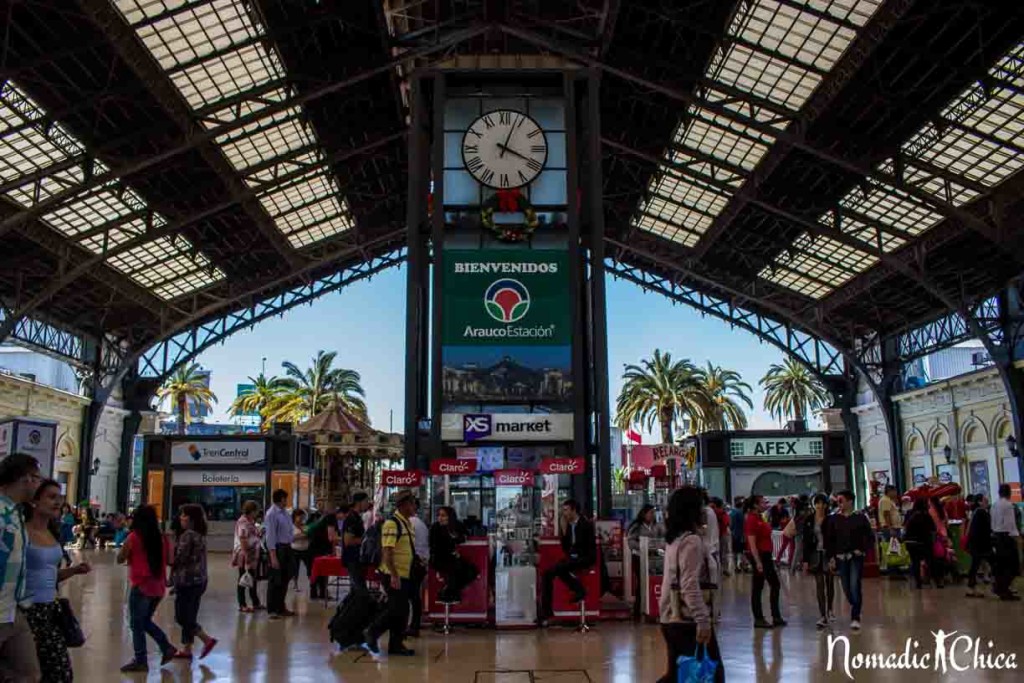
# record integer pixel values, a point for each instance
(33, 147)
(167, 266)
(215, 50)
(776, 52)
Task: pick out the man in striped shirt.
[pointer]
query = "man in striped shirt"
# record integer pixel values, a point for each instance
(19, 478)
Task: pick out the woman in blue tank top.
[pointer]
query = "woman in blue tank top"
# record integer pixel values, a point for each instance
(43, 556)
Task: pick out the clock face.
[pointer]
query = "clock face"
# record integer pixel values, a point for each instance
(504, 149)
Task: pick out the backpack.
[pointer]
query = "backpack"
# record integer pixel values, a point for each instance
(370, 552)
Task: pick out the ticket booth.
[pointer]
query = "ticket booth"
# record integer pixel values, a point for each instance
(515, 554)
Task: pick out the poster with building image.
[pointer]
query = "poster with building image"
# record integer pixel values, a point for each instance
(979, 478)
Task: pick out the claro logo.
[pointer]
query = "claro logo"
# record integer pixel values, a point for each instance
(514, 479)
(402, 479)
(455, 467)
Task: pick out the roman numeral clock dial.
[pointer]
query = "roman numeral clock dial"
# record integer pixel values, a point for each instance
(504, 149)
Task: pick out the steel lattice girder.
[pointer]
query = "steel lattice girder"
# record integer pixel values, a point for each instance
(48, 340)
(950, 330)
(161, 360)
(824, 360)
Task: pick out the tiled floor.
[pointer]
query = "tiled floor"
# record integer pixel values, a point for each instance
(255, 649)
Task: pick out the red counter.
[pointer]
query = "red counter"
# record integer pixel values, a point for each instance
(561, 603)
(475, 602)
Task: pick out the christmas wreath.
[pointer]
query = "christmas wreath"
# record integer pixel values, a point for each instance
(509, 201)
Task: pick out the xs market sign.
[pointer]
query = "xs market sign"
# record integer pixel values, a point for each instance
(506, 298)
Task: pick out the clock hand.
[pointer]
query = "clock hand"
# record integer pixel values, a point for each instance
(504, 149)
(508, 137)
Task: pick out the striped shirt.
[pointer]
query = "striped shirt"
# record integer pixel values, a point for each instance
(12, 559)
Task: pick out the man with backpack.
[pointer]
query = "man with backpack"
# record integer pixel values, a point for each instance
(397, 554)
(352, 532)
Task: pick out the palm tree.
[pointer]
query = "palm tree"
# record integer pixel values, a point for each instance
(265, 391)
(722, 391)
(187, 384)
(791, 390)
(306, 393)
(658, 389)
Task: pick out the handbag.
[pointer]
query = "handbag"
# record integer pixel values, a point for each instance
(69, 625)
(894, 546)
(938, 549)
(790, 530)
(246, 580)
(696, 669)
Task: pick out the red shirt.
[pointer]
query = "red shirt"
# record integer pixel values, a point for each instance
(754, 525)
(139, 574)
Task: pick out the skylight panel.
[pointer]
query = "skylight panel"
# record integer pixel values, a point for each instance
(776, 52)
(887, 205)
(30, 149)
(666, 230)
(795, 281)
(170, 267)
(265, 139)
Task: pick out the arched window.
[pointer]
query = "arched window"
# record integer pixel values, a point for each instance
(939, 440)
(974, 435)
(915, 444)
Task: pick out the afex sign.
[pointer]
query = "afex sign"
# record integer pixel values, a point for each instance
(778, 448)
(563, 466)
(453, 466)
(513, 478)
(402, 478)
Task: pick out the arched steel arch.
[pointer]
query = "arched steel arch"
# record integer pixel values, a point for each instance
(160, 360)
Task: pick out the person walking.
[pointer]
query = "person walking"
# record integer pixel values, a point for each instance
(853, 539)
(398, 551)
(1005, 534)
(939, 564)
(352, 532)
(19, 479)
(320, 529)
(279, 536)
(67, 525)
(724, 535)
(300, 547)
(446, 535)
(979, 541)
(889, 514)
(245, 555)
(189, 578)
(919, 535)
(817, 536)
(758, 534)
(740, 563)
(43, 574)
(147, 552)
(421, 544)
(684, 615)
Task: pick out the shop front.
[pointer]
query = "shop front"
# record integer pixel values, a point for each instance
(222, 474)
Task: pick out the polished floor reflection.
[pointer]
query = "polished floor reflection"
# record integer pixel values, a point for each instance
(254, 649)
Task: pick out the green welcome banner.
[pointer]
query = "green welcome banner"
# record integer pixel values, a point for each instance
(498, 297)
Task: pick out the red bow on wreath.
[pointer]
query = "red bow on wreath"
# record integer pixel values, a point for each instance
(508, 200)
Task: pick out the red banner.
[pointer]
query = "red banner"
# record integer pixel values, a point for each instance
(513, 478)
(563, 466)
(402, 478)
(453, 466)
(658, 471)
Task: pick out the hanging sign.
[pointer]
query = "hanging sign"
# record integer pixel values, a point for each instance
(453, 466)
(563, 466)
(513, 478)
(402, 478)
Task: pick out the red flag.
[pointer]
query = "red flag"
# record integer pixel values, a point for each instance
(633, 436)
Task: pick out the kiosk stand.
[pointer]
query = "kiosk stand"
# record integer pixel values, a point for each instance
(562, 606)
(652, 563)
(515, 559)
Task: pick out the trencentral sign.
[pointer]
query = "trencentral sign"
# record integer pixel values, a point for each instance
(777, 448)
(218, 453)
(506, 298)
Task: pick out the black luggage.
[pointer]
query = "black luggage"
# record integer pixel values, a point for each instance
(353, 615)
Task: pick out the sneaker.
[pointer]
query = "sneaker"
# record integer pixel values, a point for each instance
(273, 616)
(370, 642)
(855, 625)
(831, 617)
(971, 593)
(246, 610)
(761, 623)
(778, 623)
(210, 644)
(288, 613)
(134, 666)
(401, 652)
(168, 657)
(822, 623)
(1009, 597)
(182, 654)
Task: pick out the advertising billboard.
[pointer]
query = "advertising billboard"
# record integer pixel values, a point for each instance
(472, 427)
(218, 453)
(506, 374)
(499, 297)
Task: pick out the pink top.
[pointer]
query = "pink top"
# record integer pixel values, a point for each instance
(139, 574)
(940, 524)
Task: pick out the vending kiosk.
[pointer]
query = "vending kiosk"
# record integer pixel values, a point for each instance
(515, 556)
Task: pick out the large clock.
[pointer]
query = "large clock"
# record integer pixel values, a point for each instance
(504, 149)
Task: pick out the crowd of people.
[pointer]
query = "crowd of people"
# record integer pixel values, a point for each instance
(705, 541)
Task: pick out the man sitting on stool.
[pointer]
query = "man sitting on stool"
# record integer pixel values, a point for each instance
(580, 550)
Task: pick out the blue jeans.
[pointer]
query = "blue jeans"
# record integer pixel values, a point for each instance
(851, 573)
(140, 614)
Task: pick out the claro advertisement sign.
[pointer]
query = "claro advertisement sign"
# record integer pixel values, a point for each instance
(506, 298)
(219, 453)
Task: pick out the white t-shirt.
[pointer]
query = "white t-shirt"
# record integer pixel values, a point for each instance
(421, 538)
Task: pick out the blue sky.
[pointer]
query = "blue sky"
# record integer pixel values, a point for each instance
(365, 323)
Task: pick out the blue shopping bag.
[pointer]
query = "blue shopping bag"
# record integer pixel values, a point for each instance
(698, 668)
